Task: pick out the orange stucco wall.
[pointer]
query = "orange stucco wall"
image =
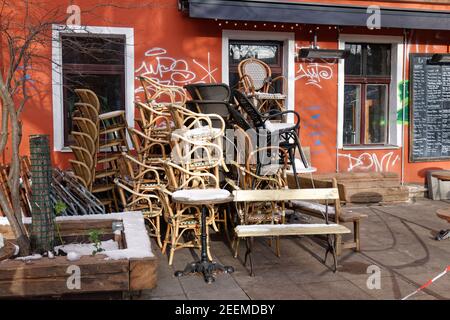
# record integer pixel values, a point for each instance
(172, 47)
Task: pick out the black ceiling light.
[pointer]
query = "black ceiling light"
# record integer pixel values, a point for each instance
(314, 52)
(440, 58)
(183, 5)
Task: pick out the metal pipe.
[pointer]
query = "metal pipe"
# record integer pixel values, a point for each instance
(405, 53)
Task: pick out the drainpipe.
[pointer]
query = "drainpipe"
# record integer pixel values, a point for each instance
(405, 53)
(337, 109)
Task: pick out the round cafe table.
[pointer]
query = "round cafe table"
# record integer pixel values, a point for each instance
(202, 266)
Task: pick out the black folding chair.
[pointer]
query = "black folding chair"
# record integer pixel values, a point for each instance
(209, 91)
(287, 132)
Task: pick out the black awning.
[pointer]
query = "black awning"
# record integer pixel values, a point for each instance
(296, 12)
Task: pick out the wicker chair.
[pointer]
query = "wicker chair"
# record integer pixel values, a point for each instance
(162, 93)
(255, 79)
(112, 125)
(148, 202)
(183, 217)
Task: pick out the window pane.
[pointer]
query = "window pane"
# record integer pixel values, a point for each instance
(353, 63)
(352, 115)
(267, 52)
(376, 114)
(378, 60)
(82, 49)
(107, 87)
(270, 52)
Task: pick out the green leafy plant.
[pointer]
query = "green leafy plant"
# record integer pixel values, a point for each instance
(94, 237)
(59, 208)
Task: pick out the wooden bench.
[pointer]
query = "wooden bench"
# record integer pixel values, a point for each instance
(336, 215)
(265, 230)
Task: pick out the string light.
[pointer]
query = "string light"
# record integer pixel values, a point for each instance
(254, 26)
(235, 24)
(282, 26)
(226, 22)
(245, 24)
(264, 24)
(274, 25)
(220, 24)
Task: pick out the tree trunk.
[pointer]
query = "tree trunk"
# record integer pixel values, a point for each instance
(14, 213)
(16, 226)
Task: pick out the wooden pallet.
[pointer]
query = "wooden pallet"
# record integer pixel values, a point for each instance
(370, 187)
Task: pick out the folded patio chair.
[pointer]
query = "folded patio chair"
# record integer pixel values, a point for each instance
(286, 132)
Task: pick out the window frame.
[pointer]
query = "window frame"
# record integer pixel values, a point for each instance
(90, 69)
(58, 79)
(394, 135)
(288, 39)
(364, 81)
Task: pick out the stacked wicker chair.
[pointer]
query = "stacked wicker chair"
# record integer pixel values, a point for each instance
(99, 141)
(144, 173)
(174, 149)
(197, 156)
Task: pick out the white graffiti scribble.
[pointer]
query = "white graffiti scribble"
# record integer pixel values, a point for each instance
(314, 73)
(209, 73)
(159, 66)
(370, 162)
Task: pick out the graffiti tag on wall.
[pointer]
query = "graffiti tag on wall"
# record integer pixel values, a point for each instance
(314, 73)
(370, 162)
(160, 66)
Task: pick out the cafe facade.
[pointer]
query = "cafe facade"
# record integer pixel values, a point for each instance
(382, 108)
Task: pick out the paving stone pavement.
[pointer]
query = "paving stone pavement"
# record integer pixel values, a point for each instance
(397, 239)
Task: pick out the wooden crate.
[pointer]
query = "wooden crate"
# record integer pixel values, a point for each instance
(49, 277)
(364, 187)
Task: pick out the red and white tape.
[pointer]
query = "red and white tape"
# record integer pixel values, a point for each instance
(428, 283)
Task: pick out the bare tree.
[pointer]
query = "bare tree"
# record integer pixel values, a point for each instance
(25, 27)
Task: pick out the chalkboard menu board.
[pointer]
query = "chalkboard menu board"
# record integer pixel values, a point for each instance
(430, 109)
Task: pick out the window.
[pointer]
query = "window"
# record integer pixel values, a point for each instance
(271, 52)
(95, 62)
(95, 57)
(366, 94)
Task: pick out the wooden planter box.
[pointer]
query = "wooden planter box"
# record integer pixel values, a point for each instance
(131, 268)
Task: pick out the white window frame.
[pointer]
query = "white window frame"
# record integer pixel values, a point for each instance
(57, 75)
(395, 104)
(288, 39)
